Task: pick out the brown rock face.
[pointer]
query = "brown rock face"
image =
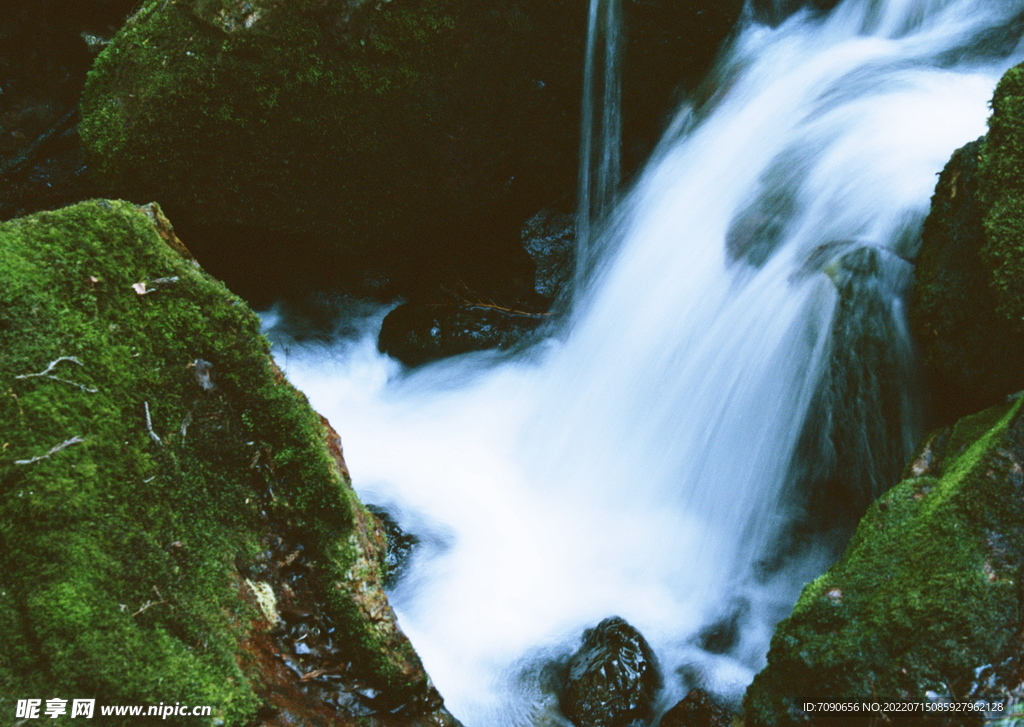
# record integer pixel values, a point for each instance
(306, 676)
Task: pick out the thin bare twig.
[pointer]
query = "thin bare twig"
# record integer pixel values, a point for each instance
(149, 424)
(147, 604)
(59, 447)
(46, 374)
(467, 299)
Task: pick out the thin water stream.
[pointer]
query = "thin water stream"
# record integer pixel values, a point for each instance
(642, 464)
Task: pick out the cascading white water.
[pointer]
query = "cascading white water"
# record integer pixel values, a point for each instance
(641, 466)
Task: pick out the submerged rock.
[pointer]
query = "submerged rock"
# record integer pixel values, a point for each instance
(613, 678)
(925, 601)
(178, 524)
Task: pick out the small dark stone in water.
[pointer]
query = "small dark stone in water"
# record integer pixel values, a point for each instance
(613, 678)
(721, 636)
(698, 709)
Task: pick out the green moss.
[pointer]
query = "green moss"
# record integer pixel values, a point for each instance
(922, 596)
(409, 138)
(967, 309)
(118, 576)
(1002, 190)
(317, 118)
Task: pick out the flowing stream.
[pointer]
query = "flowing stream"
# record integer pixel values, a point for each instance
(648, 462)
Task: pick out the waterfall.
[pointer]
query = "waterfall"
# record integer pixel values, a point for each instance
(600, 132)
(740, 353)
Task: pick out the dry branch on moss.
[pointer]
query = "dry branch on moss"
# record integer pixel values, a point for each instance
(45, 373)
(63, 445)
(149, 424)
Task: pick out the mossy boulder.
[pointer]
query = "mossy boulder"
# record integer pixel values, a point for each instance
(926, 598)
(1001, 188)
(176, 523)
(407, 136)
(405, 140)
(967, 306)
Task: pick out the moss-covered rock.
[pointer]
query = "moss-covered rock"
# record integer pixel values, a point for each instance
(393, 134)
(1001, 187)
(175, 525)
(408, 137)
(967, 308)
(926, 595)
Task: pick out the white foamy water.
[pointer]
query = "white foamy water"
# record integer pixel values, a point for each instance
(638, 467)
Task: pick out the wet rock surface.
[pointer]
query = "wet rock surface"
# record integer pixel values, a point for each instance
(417, 333)
(309, 672)
(965, 344)
(549, 238)
(613, 678)
(698, 709)
(400, 545)
(859, 428)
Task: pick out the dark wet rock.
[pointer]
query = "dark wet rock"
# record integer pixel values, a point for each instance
(967, 309)
(549, 238)
(967, 346)
(400, 545)
(698, 709)
(774, 12)
(613, 679)
(680, 39)
(863, 417)
(417, 333)
(44, 57)
(721, 636)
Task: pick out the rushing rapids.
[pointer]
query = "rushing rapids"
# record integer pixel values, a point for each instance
(651, 462)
